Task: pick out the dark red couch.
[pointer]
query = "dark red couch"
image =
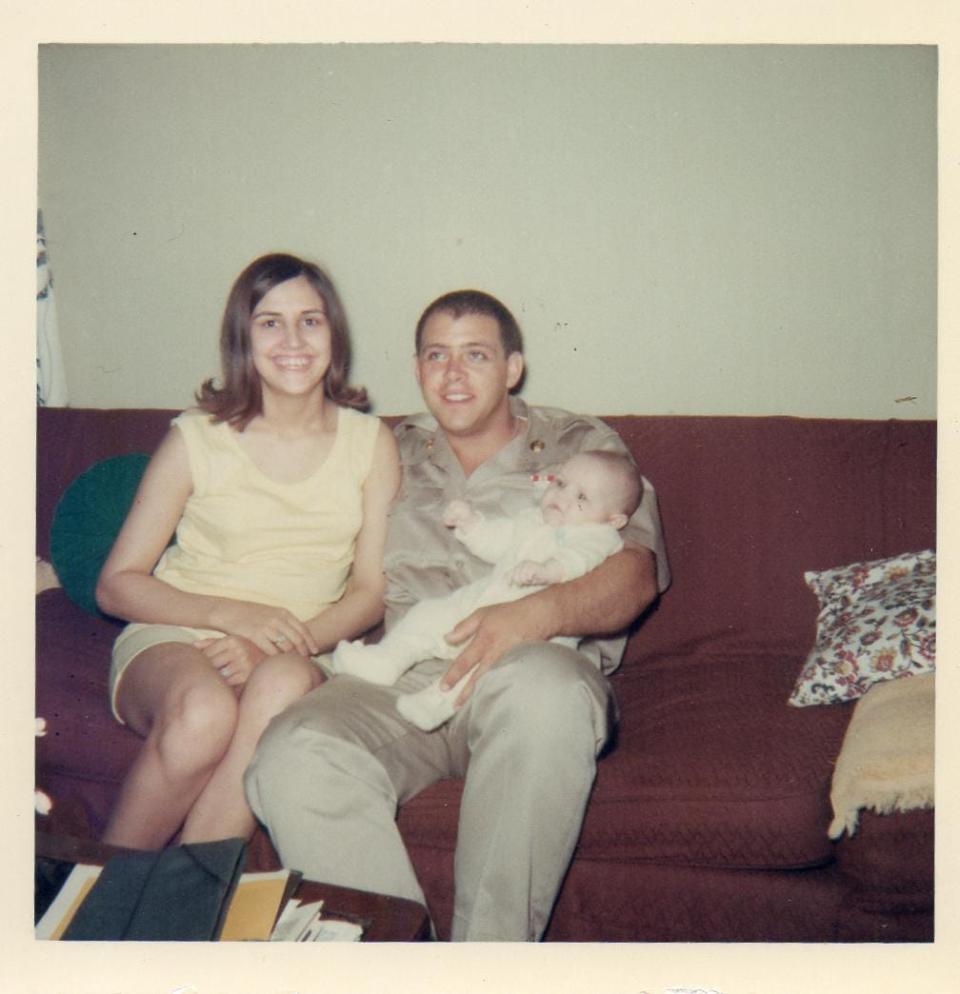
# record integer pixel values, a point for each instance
(709, 817)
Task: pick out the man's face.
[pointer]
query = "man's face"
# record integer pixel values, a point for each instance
(464, 375)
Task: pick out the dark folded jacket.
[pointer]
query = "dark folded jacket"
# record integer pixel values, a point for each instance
(177, 894)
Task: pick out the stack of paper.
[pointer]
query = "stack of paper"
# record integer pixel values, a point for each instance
(305, 923)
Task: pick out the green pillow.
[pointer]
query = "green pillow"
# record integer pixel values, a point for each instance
(87, 521)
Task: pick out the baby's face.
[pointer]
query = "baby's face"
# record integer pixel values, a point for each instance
(582, 492)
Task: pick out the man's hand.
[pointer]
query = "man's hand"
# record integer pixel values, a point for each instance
(492, 632)
(603, 602)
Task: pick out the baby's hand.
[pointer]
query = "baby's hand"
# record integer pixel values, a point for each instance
(457, 513)
(532, 574)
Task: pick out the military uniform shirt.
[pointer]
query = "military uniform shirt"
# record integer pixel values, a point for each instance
(423, 557)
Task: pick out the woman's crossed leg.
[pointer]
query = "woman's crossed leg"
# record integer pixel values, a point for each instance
(199, 736)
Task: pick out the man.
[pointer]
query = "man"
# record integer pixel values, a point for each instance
(330, 772)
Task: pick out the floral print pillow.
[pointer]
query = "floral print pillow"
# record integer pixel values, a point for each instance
(877, 622)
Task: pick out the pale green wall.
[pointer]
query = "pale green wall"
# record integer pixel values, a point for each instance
(695, 230)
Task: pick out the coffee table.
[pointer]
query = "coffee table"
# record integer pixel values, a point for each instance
(384, 918)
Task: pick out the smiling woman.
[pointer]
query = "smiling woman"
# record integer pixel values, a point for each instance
(290, 340)
(277, 489)
(300, 289)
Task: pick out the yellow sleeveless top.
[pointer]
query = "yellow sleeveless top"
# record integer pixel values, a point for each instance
(245, 536)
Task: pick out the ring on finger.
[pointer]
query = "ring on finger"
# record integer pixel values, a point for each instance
(280, 640)
(225, 672)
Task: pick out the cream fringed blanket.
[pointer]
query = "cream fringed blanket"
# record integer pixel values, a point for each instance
(46, 576)
(886, 761)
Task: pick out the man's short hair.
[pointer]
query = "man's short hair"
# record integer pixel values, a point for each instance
(457, 303)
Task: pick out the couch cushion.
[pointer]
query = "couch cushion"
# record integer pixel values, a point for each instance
(703, 771)
(88, 519)
(710, 767)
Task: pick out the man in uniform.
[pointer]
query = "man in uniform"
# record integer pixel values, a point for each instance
(330, 772)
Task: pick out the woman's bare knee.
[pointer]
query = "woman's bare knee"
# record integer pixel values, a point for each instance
(194, 731)
(280, 681)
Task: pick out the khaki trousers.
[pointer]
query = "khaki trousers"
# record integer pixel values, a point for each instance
(330, 772)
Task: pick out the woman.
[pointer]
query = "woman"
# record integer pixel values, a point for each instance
(278, 489)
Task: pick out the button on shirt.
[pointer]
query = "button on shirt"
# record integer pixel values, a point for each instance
(423, 557)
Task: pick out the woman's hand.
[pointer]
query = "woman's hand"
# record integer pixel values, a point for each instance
(270, 629)
(233, 656)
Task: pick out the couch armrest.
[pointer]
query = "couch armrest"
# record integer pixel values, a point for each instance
(886, 762)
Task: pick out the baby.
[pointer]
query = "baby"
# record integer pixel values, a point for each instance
(574, 529)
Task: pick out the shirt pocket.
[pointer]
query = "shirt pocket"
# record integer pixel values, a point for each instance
(513, 494)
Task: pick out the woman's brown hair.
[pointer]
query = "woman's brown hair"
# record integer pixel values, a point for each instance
(239, 400)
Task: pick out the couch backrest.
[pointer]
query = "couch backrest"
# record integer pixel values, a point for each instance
(70, 440)
(748, 505)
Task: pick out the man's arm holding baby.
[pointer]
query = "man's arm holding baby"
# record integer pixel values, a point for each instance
(602, 602)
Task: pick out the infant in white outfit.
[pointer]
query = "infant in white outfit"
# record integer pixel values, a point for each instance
(575, 527)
